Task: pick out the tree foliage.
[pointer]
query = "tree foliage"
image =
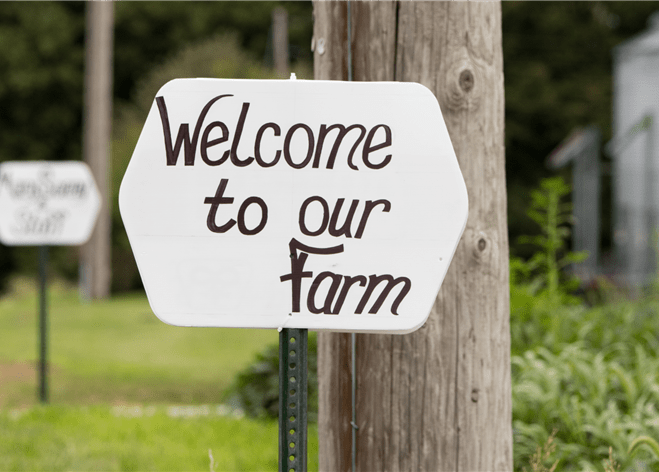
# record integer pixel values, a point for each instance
(558, 76)
(42, 74)
(557, 66)
(219, 56)
(146, 33)
(41, 65)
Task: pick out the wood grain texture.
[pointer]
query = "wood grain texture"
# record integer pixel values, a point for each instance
(330, 41)
(439, 398)
(334, 449)
(280, 41)
(331, 63)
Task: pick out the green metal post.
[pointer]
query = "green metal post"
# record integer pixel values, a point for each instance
(43, 326)
(293, 400)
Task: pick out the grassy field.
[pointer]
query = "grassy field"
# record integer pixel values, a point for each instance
(127, 392)
(116, 351)
(58, 438)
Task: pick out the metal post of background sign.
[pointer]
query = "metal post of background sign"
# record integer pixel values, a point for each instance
(62, 212)
(293, 400)
(43, 325)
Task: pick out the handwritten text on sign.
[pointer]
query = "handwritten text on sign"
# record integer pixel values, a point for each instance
(323, 205)
(42, 202)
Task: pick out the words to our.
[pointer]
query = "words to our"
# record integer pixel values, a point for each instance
(329, 224)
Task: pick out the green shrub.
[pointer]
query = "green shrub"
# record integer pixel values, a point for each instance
(540, 289)
(585, 377)
(594, 399)
(544, 271)
(256, 388)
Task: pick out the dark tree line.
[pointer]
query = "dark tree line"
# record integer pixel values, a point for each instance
(558, 76)
(557, 66)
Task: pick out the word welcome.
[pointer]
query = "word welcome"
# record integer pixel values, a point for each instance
(377, 138)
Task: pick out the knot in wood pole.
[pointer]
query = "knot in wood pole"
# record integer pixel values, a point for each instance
(466, 80)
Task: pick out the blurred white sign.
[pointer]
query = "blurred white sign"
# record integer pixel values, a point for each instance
(47, 203)
(292, 203)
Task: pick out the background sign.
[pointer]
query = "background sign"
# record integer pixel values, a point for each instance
(291, 203)
(47, 203)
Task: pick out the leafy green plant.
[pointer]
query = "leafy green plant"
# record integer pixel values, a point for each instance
(552, 214)
(256, 388)
(595, 399)
(647, 441)
(540, 288)
(589, 374)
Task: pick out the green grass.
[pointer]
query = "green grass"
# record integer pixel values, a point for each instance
(589, 373)
(118, 351)
(118, 378)
(58, 438)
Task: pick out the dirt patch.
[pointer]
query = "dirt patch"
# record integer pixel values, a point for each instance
(18, 383)
(17, 372)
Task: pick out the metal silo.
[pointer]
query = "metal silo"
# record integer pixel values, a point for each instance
(634, 149)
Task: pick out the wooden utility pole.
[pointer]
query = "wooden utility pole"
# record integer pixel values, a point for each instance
(96, 269)
(280, 41)
(438, 399)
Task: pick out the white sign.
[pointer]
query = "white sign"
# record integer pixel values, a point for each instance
(47, 203)
(292, 203)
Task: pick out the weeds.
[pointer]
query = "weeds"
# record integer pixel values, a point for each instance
(588, 375)
(647, 441)
(542, 454)
(541, 292)
(543, 272)
(212, 460)
(610, 465)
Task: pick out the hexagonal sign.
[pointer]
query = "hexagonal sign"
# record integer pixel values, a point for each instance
(293, 203)
(47, 203)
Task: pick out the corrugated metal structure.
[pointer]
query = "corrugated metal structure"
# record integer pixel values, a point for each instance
(582, 150)
(635, 153)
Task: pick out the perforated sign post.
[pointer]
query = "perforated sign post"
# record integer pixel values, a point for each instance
(46, 203)
(293, 204)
